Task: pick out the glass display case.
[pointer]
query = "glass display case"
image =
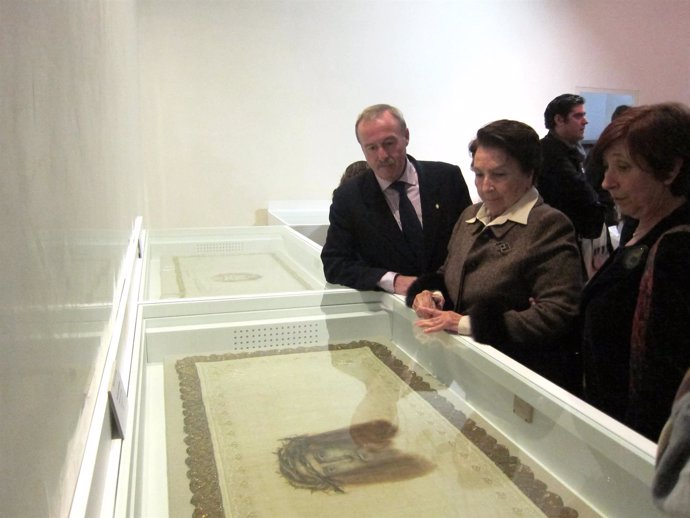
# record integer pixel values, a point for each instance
(197, 270)
(345, 409)
(298, 398)
(220, 262)
(308, 217)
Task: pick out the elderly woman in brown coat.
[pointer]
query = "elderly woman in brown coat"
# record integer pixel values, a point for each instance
(513, 275)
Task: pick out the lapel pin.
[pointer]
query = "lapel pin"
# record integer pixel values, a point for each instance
(503, 247)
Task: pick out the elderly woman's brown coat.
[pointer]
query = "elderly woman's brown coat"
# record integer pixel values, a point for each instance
(521, 286)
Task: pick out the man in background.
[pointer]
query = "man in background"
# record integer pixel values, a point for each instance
(393, 222)
(562, 183)
(594, 172)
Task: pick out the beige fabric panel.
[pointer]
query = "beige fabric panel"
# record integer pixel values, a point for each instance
(236, 274)
(253, 405)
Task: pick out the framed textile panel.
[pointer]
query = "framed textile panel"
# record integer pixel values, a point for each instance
(344, 430)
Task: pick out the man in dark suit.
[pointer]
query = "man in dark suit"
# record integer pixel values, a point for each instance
(562, 182)
(371, 243)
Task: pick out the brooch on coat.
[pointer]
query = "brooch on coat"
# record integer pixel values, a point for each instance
(634, 255)
(502, 247)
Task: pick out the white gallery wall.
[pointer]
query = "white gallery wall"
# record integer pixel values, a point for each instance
(248, 101)
(70, 189)
(196, 113)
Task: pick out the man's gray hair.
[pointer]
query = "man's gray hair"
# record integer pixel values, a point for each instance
(375, 111)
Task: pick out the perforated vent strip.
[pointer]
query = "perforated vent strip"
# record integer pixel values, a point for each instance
(219, 248)
(277, 336)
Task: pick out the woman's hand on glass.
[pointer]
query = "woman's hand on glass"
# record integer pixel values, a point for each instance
(433, 320)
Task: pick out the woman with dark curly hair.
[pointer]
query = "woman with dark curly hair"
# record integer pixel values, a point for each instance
(513, 277)
(636, 309)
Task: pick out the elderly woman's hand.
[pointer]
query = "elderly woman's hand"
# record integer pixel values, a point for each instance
(434, 320)
(423, 300)
(426, 300)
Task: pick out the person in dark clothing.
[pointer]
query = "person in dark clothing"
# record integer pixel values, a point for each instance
(636, 308)
(392, 222)
(594, 172)
(353, 171)
(562, 182)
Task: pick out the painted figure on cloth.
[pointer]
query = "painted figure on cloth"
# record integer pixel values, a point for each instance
(360, 454)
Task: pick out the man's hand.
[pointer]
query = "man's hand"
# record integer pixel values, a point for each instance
(402, 283)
